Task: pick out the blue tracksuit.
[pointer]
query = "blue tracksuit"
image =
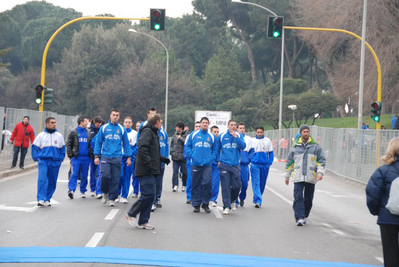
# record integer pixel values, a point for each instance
(109, 142)
(188, 182)
(127, 171)
(201, 147)
(246, 157)
(97, 172)
(81, 163)
(164, 151)
(49, 150)
(215, 181)
(229, 167)
(93, 167)
(263, 158)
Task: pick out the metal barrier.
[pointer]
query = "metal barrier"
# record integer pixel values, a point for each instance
(13, 116)
(350, 153)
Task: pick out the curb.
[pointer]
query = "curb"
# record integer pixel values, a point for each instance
(15, 171)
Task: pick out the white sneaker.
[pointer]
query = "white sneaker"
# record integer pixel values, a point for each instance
(83, 195)
(226, 211)
(183, 188)
(104, 200)
(93, 194)
(153, 208)
(99, 196)
(212, 204)
(124, 200)
(118, 199)
(111, 203)
(40, 203)
(175, 188)
(299, 222)
(233, 206)
(131, 220)
(134, 196)
(47, 204)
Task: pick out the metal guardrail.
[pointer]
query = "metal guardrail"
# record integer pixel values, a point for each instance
(350, 153)
(13, 116)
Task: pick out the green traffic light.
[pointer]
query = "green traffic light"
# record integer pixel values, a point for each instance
(157, 26)
(276, 34)
(376, 118)
(38, 101)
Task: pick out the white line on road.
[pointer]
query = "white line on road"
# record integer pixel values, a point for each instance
(380, 259)
(216, 211)
(111, 214)
(94, 240)
(279, 195)
(62, 181)
(338, 232)
(327, 225)
(274, 170)
(4, 207)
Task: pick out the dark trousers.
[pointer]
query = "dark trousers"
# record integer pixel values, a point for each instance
(303, 199)
(110, 174)
(183, 170)
(230, 182)
(390, 246)
(144, 203)
(15, 157)
(158, 186)
(201, 182)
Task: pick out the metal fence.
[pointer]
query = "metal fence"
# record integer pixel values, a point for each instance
(350, 153)
(13, 116)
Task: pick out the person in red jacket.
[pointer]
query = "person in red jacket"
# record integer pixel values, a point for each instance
(20, 138)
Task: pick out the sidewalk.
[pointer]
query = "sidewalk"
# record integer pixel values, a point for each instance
(9, 172)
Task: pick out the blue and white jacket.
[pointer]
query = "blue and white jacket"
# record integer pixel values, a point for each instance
(263, 151)
(247, 153)
(201, 147)
(163, 144)
(110, 139)
(229, 148)
(132, 136)
(48, 146)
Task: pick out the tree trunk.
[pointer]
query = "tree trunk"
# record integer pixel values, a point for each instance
(310, 58)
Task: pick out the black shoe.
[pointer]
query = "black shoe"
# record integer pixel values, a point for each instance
(242, 203)
(188, 202)
(206, 208)
(70, 194)
(196, 209)
(158, 205)
(21, 167)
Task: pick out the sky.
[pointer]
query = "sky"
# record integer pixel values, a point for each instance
(118, 8)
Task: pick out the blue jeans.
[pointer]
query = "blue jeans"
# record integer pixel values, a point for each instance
(15, 156)
(231, 183)
(201, 178)
(259, 173)
(183, 168)
(303, 199)
(158, 187)
(215, 182)
(110, 174)
(144, 203)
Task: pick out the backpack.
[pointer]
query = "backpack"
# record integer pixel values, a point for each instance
(393, 200)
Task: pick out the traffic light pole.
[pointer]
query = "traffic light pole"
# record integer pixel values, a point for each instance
(43, 73)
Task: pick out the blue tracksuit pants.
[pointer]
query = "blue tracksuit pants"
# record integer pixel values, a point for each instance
(143, 205)
(244, 181)
(47, 180)
(188, 182)
(215, 182)
(230, 182)
(158, 187)
(93, 175)
(135, 182)
(124, 181)
(201, 178)
(79, 165)
(303, 199)
(98, 179)
(110, 174)
(259, 173)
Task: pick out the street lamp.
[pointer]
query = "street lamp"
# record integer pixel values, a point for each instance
(280, 113)
(293, 108)
(167, 75)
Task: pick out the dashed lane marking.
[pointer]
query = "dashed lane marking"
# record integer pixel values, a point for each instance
(94, 240)
(279, 195)
(380, 259)
(216, 211)
(111, 214)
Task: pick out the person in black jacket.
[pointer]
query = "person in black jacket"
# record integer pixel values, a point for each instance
(377, 190)
(80, 152)
(147, 167)
(176, 151)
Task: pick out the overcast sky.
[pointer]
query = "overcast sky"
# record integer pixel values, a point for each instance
(119, 8)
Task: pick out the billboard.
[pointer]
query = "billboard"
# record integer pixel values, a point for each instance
(218, 118)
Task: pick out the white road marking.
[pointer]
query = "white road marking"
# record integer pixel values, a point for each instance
(62, 181)
(216, 211)
(336, 196)
(327, 225)
(338, 232)
(111, 214)
(279, 195)
(53, 201)
(380, 259)
(274, 170)
(94, 240)
(11, 208)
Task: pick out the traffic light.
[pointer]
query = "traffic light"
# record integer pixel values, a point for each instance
(48, 95)
(157, 19)
(275, 29)
(39, 91)
(376, 111)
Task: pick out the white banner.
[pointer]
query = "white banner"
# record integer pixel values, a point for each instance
(218, 118)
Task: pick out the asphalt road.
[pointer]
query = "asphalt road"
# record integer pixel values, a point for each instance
(339, 229)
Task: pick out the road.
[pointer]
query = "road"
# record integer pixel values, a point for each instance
(340, 228)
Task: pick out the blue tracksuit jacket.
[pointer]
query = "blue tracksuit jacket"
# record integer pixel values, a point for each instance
(48, 146)
(263, 151)
(163, 144)
(229, 148)
(201, 147)
(109, 141)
